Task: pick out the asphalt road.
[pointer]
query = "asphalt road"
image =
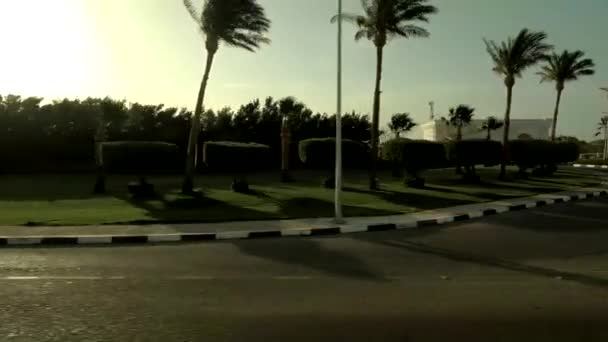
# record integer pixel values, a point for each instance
(536, 275)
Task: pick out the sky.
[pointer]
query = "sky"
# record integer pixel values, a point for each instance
(150, 51)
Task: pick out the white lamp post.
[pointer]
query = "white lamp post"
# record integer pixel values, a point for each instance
(338, 175)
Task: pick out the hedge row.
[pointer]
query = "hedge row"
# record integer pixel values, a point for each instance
(540, 153)
(141, 157)
(321, 153)
(235, 157)
(414, 155)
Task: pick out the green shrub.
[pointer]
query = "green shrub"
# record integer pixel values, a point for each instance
(470, 153)
(542, 154)
(141, 157)
(475, 152)
(321, 153)
(235, 157)
(414, 155)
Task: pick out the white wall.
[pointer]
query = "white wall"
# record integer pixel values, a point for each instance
(439, 131)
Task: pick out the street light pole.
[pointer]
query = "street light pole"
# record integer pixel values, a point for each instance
(338, 175)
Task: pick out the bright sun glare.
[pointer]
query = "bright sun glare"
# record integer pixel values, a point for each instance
(49, 47)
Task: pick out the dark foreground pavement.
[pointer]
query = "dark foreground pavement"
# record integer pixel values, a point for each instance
(536, 275)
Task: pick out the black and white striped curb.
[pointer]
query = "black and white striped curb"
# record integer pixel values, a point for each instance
(327, 231)
(591, 166)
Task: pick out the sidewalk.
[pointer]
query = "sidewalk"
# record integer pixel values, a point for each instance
(278, 228)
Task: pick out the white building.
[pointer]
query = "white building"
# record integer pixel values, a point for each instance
(439, 130)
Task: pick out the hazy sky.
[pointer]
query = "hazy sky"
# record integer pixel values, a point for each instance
(149, 51)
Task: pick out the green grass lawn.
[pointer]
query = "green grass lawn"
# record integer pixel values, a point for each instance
(68, 200)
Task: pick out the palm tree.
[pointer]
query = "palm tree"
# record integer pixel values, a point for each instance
(383, 20)
(568, 66)
(602, 129)
(401, 123)
(459, 117)
(511, 59)
(491, 124)
(237, 23)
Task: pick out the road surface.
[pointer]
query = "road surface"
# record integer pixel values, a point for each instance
(535, 275)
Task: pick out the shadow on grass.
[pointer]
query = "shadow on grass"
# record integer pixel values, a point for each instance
(192, 209)
(310, 254)
(424, 202)
(314, 207)
(496, 262)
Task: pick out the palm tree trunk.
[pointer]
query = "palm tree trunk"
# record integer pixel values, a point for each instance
(489, 134)
(605, 143)
(505, 137)
(188, 184)
(373, 185)
(555, 113)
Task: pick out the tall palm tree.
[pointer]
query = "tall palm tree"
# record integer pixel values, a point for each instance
(383, 20)
(237, 23)
(568, 66)
(491, 124)
(511, 59)
(401, 123)
(602, 129)
(460, 117)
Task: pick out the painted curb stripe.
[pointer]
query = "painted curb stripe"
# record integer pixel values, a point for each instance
(130, 239)
(265, 234)
(381, 227)
(517, 207)
(325, 231)
(160, 238)
(59, 241)
(427, 223)
(490, 212)
(460, 218)
(198, 237)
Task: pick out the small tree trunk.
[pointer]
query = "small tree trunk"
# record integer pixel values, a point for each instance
(505, 138)
(555, 113)
(489, 137)
(188, 184)
(375, 118)
(606, 143)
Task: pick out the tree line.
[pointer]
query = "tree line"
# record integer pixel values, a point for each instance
(61, 135)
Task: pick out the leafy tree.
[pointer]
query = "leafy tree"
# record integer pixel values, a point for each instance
(491, 124)
(511, 59)
(460, 117)
(401, 123)
(602, 129)
(238, 23)
(382, 21)
(568, 66)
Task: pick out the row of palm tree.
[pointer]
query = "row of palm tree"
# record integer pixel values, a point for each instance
(516, 55)
(243, 24)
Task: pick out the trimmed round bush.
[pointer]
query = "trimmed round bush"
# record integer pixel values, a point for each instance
(475, 152)
(543, 154)
(321, 153)
(235, 157)
(141, 157)
(414, 156)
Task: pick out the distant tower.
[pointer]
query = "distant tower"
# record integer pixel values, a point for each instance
(432, 106)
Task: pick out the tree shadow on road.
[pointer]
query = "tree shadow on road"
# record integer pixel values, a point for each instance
(310, 254)
(414, 200)
(497, 262)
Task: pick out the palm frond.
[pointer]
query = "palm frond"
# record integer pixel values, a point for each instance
(239, 23)
(512, 57)
(385, 19)
(567, 66)
(193, 13)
